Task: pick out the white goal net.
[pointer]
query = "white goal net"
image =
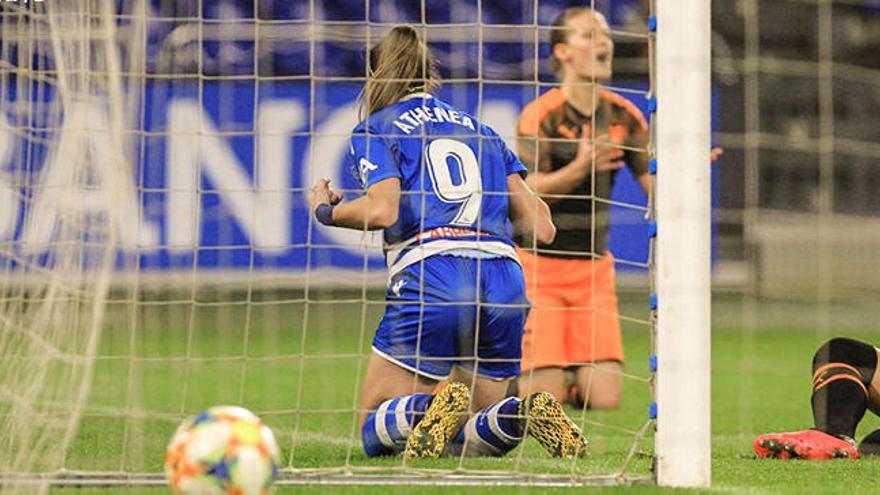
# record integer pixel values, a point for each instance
(70, 98)
(158, 256)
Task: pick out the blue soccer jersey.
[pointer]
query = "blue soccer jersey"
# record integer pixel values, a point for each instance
(444, 307)
(453, 177)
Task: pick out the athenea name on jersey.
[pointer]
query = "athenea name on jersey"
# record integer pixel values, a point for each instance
(411, 119)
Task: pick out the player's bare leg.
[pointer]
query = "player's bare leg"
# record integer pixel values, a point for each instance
(550, 380)
(385, 380)
(599, 385)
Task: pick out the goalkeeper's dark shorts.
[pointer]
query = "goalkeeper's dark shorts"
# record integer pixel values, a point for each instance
(449, 310)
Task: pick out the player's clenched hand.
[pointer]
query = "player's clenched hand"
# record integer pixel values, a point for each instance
(320, 193)
(607, 157)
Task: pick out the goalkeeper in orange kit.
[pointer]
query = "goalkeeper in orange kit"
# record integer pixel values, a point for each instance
(845, 385)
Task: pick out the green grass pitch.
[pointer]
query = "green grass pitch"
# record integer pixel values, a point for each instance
(180, 360)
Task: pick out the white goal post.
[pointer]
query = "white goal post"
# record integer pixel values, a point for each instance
(683, 209)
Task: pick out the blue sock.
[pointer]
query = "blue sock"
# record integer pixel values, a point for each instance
(494, 431)
(386, 429)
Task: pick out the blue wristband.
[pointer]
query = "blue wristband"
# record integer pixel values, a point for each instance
(324, 214)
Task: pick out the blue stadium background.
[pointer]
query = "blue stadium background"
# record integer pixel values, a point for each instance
(240, 57)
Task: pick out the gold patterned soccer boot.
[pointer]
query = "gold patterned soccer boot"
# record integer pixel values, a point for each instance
(551, 427)
(441, 422)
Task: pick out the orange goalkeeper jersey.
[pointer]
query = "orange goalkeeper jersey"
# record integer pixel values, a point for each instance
(548, 133)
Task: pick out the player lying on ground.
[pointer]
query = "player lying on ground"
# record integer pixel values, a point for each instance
(447, 192)
(845, 384)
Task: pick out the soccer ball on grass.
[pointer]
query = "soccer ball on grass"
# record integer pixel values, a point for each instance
(224, 450)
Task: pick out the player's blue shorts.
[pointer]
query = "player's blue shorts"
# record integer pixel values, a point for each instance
(451, 310)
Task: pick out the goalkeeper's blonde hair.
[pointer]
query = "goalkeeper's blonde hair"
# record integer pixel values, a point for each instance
(400, 64)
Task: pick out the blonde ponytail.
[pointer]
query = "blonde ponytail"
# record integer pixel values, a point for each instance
(400, 64)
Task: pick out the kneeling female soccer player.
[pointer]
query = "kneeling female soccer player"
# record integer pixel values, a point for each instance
(448, 194)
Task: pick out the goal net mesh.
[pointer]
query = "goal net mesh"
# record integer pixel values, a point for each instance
(67, 183)
(158, 256)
